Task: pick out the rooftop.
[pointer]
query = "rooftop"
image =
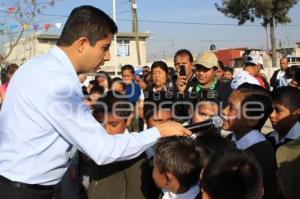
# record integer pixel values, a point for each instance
(142, 35)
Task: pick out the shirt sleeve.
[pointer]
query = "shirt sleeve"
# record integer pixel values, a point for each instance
(72, 120)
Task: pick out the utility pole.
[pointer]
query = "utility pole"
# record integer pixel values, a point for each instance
(267, 39)
(115, 39)
(135, 29)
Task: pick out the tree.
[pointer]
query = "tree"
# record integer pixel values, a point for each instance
(271, 12)
(23, 12)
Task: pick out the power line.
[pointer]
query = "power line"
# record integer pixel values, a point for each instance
(200, 23)
(205, 40)
(178, 22)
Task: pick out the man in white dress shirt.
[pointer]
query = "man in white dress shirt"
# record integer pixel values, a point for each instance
(41, 122)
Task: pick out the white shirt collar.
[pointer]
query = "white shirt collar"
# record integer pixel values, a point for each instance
(63, 58)
(190, 194)
(126, 131)
(280, 74)
(293, 134)
(248, 140)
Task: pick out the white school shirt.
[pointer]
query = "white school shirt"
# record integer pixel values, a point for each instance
(248, 140)
(293, 134)
(190, 194)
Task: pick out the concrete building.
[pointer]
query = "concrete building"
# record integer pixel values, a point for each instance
(230, 56)
(126, 49)
(297, 49)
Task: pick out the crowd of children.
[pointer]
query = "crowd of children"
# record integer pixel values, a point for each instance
(235, 162)
(214, 165)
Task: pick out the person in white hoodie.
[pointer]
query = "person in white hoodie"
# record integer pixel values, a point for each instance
(252, 68)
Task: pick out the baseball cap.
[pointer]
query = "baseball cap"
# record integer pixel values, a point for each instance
(254, 59)
(208, 59)
(138, 71)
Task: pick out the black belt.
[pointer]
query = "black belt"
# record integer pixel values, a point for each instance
(28, 186)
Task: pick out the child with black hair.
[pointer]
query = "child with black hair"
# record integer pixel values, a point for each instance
(249, 106)
(119, 180)
(90, 85)
(95, 93)
(10, 70)
(176, 167)
(117, 84)
(87, 100)
(103, 79)
(220, 71)
(154, 114)
(134, 95)
(232, 174)
(228, 74)
(157, 112)
(132, 90)
(204, 110)
(209, 144)
(284, 118)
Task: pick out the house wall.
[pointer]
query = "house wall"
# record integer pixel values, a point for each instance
(31, 46)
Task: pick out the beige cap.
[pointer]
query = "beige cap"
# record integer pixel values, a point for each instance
(208, 59)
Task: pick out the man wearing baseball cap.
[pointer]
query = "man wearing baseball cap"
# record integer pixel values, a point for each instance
(205, 85)
(251, 72)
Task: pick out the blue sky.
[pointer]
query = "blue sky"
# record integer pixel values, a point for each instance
(166, 38)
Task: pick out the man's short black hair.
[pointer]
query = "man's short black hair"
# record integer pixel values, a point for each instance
(233, 174)
(184, 52)
(178, 155)
(287, 96)
(89, 22)
(257, 101)
(128, 67)
(11, 68)
(111, 102)
(285, 57)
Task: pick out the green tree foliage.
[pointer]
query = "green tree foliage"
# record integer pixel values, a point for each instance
(270, 12)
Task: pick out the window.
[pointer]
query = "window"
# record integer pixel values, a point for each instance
(294, 60)
(123, 48)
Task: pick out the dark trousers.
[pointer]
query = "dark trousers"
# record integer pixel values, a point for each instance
(10, 191)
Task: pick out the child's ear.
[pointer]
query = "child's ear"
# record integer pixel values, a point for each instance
(169, 178)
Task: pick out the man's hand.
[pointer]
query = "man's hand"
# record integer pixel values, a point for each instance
(181, 83)
(172, 128)
(293, 83)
